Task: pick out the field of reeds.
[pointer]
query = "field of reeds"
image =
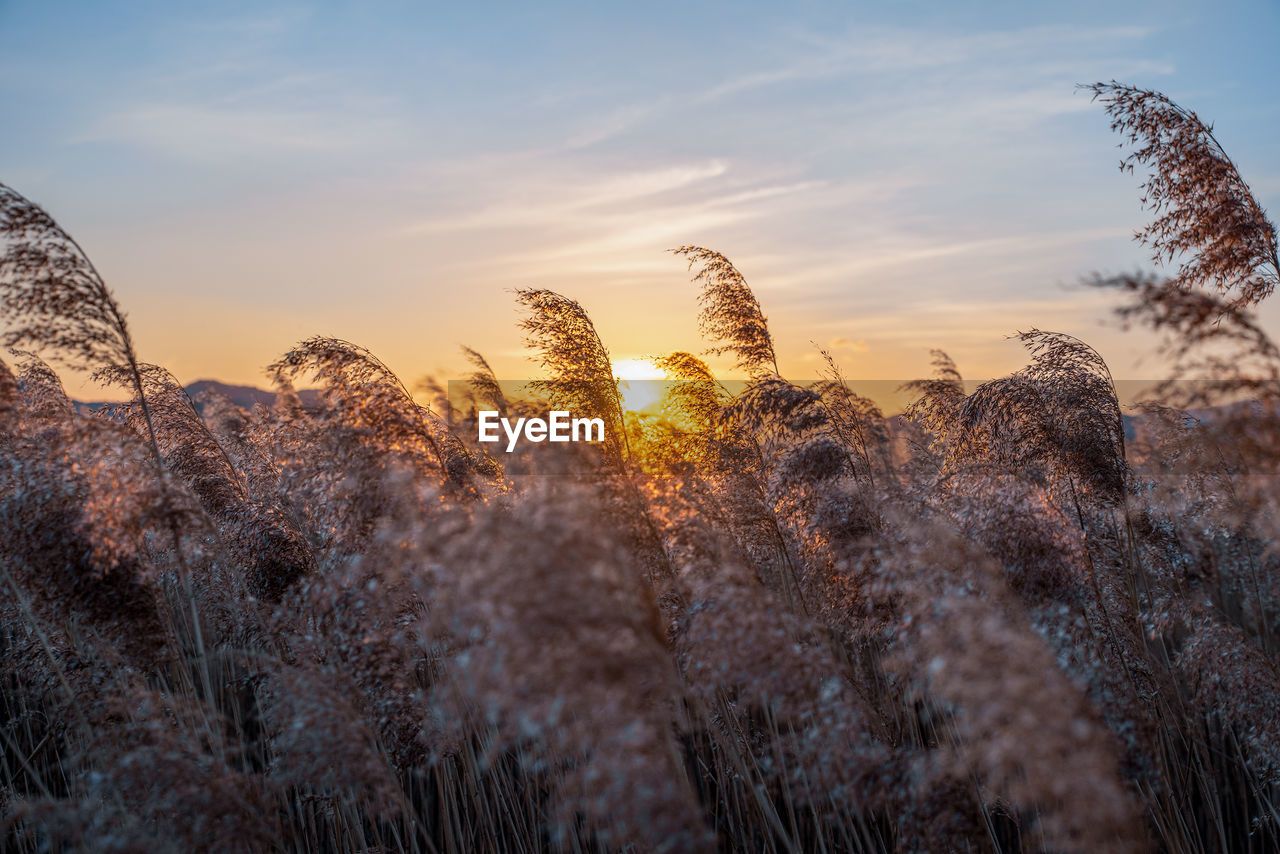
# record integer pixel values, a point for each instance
(1016, 618)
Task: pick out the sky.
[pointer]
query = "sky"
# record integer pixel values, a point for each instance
(891, 177)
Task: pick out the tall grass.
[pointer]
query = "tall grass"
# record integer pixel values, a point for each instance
(770, 619)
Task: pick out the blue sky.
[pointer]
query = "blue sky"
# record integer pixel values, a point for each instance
(890, 176)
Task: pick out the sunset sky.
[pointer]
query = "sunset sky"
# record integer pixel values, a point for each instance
(890, 177)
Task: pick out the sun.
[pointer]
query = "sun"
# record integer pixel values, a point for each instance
(643, 384)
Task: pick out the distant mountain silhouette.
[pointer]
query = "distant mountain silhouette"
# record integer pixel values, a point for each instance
(245, 396)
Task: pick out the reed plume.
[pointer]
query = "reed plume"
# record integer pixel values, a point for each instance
(1207, 218)
(580, 372)
(55, 298)
(367, 395)
(730, 312)
(483, 383)
(1059, 418)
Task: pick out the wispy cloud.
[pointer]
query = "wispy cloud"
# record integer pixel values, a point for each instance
(1024, 59)
(599, 129)
(534, 200)
(222, 133)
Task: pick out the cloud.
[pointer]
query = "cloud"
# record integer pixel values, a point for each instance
(859, 346)
(229, 89)
(909, 55)
(533, 199)
(222, 133)
(615, 123)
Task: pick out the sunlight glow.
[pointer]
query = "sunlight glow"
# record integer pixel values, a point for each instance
(642, 384)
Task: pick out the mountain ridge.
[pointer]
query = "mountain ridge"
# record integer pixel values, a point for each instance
(244, 396)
